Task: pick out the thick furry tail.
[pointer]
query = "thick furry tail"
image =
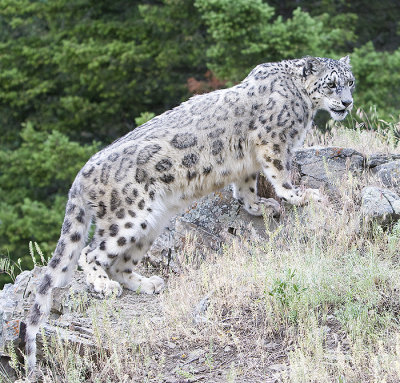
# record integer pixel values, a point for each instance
(60, 268)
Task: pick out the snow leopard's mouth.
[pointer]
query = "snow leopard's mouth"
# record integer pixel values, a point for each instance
(338, 114)
(339, 111)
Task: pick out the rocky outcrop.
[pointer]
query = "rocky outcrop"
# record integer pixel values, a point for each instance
(326, 166)
(380, 158)
(381, 205)
(388, 173)
(17, 298)
(206, 225)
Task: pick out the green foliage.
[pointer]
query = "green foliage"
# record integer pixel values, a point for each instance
(234, 28)
(378, 79)
(88, 69)
(143, 118)
(287, 293)
(174, 38)
(42, 163)
(375, 21)
(245, 32)
(34, 183)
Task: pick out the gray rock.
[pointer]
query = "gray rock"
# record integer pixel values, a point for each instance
(326, 166)
(16, 300)
(278, 367)
(6, 371)
(194, 355)
(381, 205)
(213, 213)
(207, 224)
(201, 309)
(388, 173)
(380, 158)
(12, 299)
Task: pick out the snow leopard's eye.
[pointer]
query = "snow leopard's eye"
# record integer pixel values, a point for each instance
(351, 83)
(331, 85)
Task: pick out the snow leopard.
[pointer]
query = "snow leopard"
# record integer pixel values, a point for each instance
(131, 188)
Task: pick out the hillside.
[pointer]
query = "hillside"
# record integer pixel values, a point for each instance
(310, 297)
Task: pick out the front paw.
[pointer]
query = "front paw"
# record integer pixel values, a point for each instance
(158, 284)
(312, 195)
(152, 285)
(299, 196)
(270, 206)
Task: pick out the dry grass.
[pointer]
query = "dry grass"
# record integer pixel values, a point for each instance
(316, 300)
(326, 297)
(366, 133)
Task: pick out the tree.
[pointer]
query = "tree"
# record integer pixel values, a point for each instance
(87, 69)
(34, 181)
(378, 79)
(246, 32)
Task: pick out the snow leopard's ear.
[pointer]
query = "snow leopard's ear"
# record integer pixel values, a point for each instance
(345, 60)
(312, 66)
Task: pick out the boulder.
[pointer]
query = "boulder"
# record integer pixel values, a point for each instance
(16, 300)
(319, 167)
(380, 158)
(381, 205)
(388, 173)
(206, 225)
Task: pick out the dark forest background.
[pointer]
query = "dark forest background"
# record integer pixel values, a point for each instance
(77, 74)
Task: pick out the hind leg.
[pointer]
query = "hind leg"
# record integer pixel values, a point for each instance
(96, 275)
(96, 259)
(121, 270)
(118, 246)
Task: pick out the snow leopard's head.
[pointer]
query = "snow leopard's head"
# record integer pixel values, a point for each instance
(330, 84)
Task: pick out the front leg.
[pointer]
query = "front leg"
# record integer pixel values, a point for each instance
(277, 170)
(245, 191)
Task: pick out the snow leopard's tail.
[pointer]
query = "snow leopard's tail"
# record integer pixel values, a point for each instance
(60, 269)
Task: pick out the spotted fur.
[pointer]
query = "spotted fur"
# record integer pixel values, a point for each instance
(132, 187)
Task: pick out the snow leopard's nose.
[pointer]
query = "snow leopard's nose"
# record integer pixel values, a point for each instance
(346, 103)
